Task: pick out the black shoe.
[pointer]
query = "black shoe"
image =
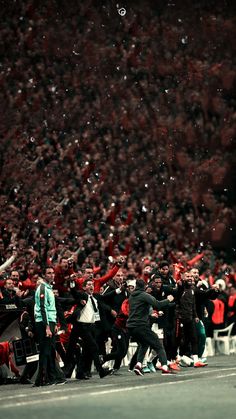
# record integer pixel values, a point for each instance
(12, 380)
(44, 385)
(61, 382)
(115, 372)
(104, 372)
(82, 377)
(88, 373)
(101, 359)
(25, 381)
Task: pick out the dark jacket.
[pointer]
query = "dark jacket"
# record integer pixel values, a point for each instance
(166, 320)
(10, 297)
(202, 296)
(167, 280)
(139, 308)
(103, 308)
(186, 305)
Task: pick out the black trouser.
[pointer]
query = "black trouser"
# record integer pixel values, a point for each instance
(189, 338)
(89, 346)
(146, 338)
(72, 353)
(29, 370)
(120, 341)
(169, 343)
(101, 337)
(47, 355)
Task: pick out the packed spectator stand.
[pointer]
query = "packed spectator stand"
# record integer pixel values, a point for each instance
(117, 140)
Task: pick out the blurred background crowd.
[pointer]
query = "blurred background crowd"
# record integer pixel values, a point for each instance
(118, 134)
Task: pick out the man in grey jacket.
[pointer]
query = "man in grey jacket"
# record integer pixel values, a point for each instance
(139, 328)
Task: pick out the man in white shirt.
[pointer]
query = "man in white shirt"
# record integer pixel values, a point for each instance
(87, 314)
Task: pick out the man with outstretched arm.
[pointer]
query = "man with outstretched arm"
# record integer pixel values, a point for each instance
(139, 328)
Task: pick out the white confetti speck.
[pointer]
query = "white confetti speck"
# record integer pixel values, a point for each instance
(184, 40)
(122, 11)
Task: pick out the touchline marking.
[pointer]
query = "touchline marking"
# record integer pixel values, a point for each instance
(207, 371)
(93, 393)
(62, 389)
(108, 391)
(226, 375)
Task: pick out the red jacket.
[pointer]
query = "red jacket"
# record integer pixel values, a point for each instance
(98, 282)
(219, 312)
(60, 281)
(5, 357)
(232, 305)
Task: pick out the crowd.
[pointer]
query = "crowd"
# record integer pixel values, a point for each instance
(117, 139)
(73, 311)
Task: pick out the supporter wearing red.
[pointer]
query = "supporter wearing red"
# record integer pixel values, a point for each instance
(15, 276)
(99, 282)
(62, 276)
(28, 280)
(6, 353)
(232, 305)
(217, 309)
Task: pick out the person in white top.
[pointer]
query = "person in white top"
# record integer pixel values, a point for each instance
(87, 313)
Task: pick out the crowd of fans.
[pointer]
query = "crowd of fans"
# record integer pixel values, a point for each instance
(61, 301)
(117, 136)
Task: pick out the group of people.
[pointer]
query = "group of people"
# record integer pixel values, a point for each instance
(116, 157)
(72, 315)
(115, 112)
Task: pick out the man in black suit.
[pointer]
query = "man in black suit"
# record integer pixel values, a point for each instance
(88, 312)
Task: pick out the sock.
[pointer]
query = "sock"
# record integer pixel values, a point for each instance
(158, 364)
(195, 358)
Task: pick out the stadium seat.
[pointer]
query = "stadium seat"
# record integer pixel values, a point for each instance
(222, 339)
(232, 345)
(209, 348)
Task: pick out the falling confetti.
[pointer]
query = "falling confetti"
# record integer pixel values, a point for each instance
(121, 11)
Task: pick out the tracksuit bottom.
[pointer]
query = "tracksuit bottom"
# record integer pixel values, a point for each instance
(120, 341)
(146, 338)
(47, 356)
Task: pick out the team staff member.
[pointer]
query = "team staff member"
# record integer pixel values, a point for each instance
(45, 325)
(88, 312)
(139, 326)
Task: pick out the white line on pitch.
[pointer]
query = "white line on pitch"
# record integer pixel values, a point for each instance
(93, 393)
(69, 389)
(54, 390)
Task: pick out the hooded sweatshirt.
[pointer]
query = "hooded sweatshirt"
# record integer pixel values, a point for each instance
(139, 308)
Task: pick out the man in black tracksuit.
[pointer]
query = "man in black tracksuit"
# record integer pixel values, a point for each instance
(139, 325)
(167, 320)
(202, 295)
(186, 317)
